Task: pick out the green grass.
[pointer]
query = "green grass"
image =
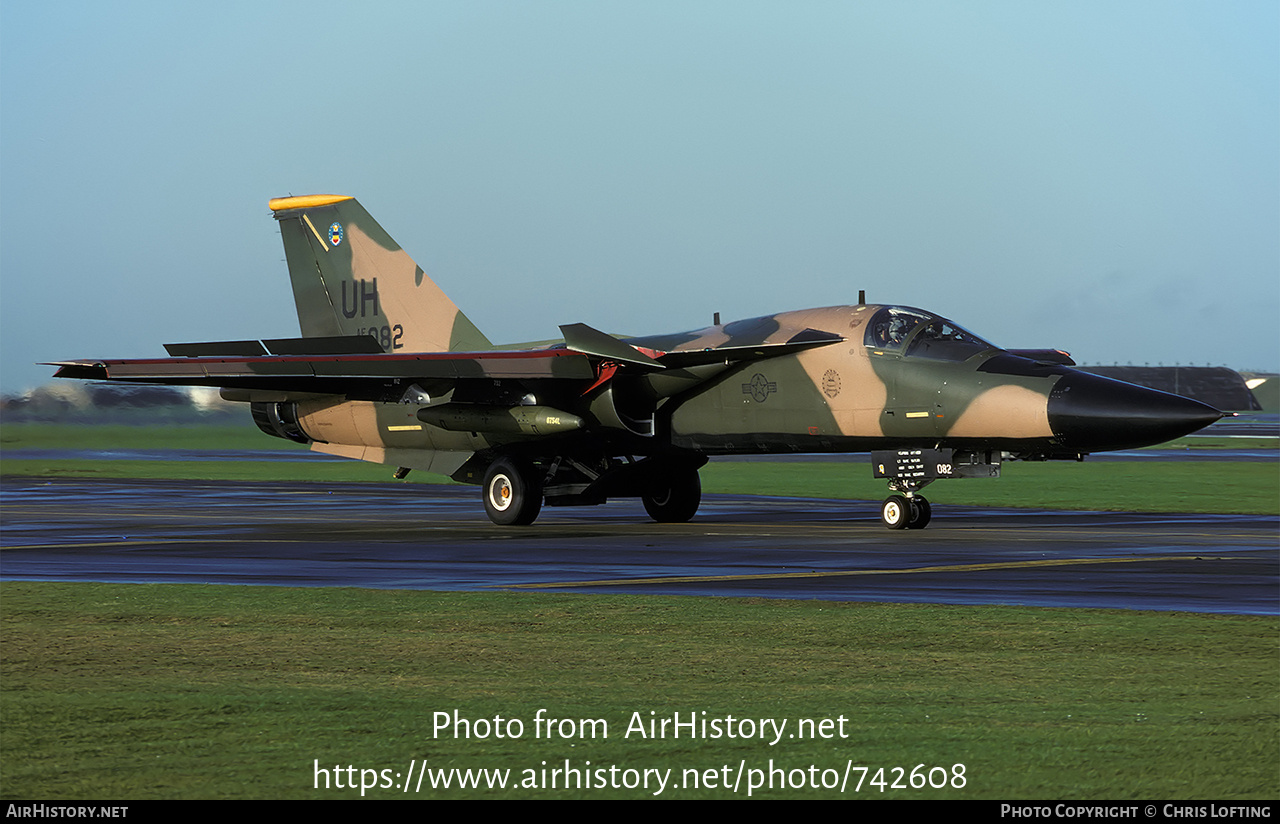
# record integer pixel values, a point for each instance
(183, 691)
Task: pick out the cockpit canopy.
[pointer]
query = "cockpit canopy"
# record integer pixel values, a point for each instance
(916, 333)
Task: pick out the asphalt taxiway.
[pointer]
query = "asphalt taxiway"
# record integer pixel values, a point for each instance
(433, 537)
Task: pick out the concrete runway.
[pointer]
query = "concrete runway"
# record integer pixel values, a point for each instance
(429, 537)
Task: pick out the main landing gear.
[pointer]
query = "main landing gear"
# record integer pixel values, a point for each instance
(677, 498)
(515, 487)
(512, 493)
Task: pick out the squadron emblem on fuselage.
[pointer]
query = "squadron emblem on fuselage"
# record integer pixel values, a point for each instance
(831, 383)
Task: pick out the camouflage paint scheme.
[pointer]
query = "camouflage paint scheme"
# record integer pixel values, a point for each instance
(389, 370)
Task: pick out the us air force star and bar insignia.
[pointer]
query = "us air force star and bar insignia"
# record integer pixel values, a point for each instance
(759, 388)
(335, 233)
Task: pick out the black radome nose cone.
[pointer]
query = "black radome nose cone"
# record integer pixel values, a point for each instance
(1089, 413)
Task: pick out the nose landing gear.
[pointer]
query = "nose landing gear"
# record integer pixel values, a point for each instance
(910, 511)
(911, 470)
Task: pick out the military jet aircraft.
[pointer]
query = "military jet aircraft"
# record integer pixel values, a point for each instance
(389, 370)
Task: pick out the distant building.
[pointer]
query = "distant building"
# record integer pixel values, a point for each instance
(1217, 386)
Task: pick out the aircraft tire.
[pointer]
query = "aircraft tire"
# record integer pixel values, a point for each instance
(512, 494)
(895, 512)
(921, 512)
(679, 501)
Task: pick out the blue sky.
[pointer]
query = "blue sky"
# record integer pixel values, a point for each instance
(1100, 177)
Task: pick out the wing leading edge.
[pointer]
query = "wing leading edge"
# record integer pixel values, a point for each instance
(302, 364)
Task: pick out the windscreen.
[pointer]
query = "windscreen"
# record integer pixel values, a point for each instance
(919, 334)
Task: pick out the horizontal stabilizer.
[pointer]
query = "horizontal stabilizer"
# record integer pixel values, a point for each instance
(216, 349)
(331, 345)
(582, 338)
(80, 370)
(321, 345)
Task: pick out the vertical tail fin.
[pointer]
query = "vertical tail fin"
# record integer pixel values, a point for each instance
(350, 278)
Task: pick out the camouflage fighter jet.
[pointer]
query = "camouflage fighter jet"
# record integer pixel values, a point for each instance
(389, 370)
